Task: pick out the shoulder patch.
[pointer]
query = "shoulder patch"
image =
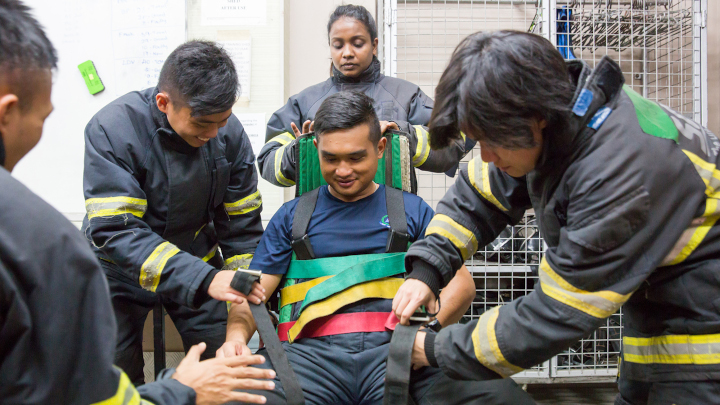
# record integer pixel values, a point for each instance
(652, 118)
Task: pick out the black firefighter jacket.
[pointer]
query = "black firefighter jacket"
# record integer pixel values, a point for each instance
(396, 100)
(57, 329)
(158, 209)
(627, 202)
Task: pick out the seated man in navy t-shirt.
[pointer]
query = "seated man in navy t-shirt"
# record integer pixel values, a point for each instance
(351, 218)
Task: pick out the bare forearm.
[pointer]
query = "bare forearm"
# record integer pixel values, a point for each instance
(240, 324)
(456, 297)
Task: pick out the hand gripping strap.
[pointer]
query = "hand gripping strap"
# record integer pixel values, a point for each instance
(293, 392)
(243, 281)
(399, 366)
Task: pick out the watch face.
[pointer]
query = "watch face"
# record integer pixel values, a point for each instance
(434, 325)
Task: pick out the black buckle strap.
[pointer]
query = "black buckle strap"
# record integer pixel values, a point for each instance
(303, 212)
(398, 237)
(293, 391)
(399, 366)
(243, 281)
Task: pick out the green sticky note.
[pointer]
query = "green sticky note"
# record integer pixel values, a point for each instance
(92, 80)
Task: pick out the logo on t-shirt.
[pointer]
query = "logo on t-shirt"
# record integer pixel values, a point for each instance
(385, 222)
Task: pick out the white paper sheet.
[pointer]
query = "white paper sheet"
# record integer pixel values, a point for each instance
(233, 12)
(254, 124)
(240, 53)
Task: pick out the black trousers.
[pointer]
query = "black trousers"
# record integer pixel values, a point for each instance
(350, 369)
(131, 304)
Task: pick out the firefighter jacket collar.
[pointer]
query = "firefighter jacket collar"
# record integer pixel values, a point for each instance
(170, 138)
(371, 75)
(594, 88)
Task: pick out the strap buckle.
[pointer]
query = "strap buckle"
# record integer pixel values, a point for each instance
(397, 242)
(243, 280)
(303, 249)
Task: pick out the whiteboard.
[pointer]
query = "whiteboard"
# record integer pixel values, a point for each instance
(128, 40)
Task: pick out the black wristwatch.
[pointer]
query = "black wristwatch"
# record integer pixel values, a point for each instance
(434, 325)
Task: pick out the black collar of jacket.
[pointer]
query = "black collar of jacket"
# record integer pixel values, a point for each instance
(370, 75)
(605, 83)
(169, 137)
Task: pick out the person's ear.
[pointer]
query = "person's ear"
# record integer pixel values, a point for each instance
(375, 46)
(9, 111)
(163, 102)
(381, 147)
(315, 142)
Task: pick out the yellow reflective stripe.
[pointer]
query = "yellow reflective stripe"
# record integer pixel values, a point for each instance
(155, 263)
(279, 153)
(283, 139)
(126, 393)
(198, 231)
(422, 150)
(296, 292)
(238, 262)
(673, 349)
(245, 205)
(462, 135)
(711, 207)
(692, 237)
(461, 237)
(599, 304)
(384, 288)
(110, 206)
(478, 171)
(211, 254)
(485, 343)
(708, 172)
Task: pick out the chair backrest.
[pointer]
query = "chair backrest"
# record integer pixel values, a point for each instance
(394, 168)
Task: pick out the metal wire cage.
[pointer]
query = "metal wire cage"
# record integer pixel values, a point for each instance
(658, 44)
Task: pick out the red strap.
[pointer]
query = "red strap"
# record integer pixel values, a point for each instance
(338, 324)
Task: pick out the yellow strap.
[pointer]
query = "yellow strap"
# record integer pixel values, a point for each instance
(296, 292)
(384, 288)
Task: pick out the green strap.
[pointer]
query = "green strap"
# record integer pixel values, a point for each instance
(286, 311)
(397, 162)
(651, 117)
(328, 266)
(390, 265)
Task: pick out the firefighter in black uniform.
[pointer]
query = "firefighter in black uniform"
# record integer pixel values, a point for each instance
(171, 197)
(56, 324)
(352, 36)
(626, 196)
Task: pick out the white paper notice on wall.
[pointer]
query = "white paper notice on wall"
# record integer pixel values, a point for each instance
(239, 51)
(254, 124)
(233, 12)
(143, 35)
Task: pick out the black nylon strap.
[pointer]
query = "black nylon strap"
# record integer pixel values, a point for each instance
(399, 366)
(398, 237)
(303, 212)
(293, 392)
(242, 282)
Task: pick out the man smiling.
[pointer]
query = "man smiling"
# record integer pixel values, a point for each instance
(337, 344)
(169, 178)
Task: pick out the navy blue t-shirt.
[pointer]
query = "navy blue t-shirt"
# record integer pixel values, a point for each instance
(338, 228)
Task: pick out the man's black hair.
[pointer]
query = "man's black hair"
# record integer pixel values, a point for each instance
(496, 85)
(200, 75)
(359, 13)
(24, 48)
(345, 110)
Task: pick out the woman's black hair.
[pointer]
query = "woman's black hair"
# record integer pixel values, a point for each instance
(359, 13)
(496, 86)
